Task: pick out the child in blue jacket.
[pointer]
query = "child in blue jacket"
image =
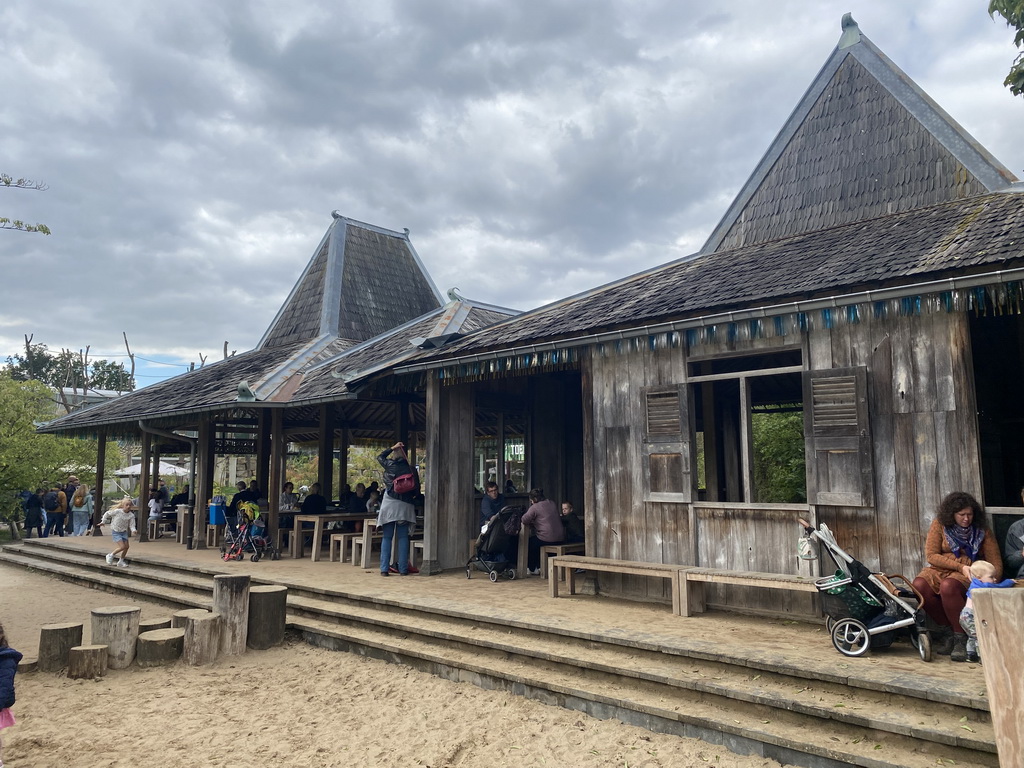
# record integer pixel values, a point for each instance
(9, 659)
(983, 575)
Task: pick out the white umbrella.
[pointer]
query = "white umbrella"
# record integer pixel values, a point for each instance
(165, 469)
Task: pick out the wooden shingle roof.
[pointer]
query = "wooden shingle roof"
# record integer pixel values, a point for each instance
(962, 237)
(863, 142)
(362, 281)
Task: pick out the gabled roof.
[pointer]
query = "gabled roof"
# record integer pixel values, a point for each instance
(361, 281)
(864, 141)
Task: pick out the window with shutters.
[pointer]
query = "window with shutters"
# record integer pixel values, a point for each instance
(666, 450)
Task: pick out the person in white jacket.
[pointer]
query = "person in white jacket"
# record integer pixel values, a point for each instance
(122, 520)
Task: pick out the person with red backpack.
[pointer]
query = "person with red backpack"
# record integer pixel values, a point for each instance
(397, 512)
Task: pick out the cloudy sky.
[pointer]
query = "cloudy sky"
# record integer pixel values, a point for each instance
(194, 150)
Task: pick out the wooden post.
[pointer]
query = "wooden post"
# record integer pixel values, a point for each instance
(326, 452)
(117, 627)
(263, 438)
(204, 481)
(999, 616)
(267, 616)
(231, 601)
(55, 640)
(160, 646)
(97, 495)
(87, 661)
(343, 459)
(143, 490)
(202, 639)
(276, 481)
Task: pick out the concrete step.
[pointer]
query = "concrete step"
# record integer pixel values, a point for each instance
(678, 688)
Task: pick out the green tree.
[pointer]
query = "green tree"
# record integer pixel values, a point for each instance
(12, 183)
(66, 369)
(779, 460)
(1012, 12)
(29, 459)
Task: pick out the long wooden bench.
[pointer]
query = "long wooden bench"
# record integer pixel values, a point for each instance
(694, 579)
(569, 563)
(687, 581)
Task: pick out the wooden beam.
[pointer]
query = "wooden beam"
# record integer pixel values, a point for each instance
(999, 618)
(275, 482)
(143, 489)
(343, 459)
(326, 451)
(204, 481)
(101, 468)
(746, 442)
(263, 439)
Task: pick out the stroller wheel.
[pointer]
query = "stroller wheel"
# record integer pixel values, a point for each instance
(829, 623)
(255, 558)
(924, 645)
(240, 556)
(493, 576)
(850, 637)
(467, 573)
(511, 574)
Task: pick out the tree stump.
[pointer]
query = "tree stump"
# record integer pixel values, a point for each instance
(148, 625)
(202, 639)
(55, 641)
(231, 601)
(180, 619)
(87, 661)
(160, 646)
(267, 608)
(117, 627)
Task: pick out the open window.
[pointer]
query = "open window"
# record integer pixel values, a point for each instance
(748, 428)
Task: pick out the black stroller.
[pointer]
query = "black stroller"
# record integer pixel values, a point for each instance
(493, 551)
(252, 537)
(865, 610)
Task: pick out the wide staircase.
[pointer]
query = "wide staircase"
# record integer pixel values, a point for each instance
(807, 714)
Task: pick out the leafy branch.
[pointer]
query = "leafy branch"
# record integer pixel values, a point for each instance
(6, 180)
(1012, 12)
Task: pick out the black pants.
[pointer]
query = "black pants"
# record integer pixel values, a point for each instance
(55, 522)
(533, 551)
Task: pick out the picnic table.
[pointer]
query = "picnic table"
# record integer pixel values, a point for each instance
(319, 526)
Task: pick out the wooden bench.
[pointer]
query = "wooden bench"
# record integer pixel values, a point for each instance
(567, 565)
(557, 550)
(340, 543)
(214, 535)
(692, 581)
(158, 528)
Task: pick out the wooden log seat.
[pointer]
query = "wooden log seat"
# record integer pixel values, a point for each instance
(181, 618)
(148, 625)
(267, 616)
(55, 641)
(556, 550)
(568, 564)
(160, 646)
(117, 627)
(202, 639)
(231, 601)
(692, 581)
(87, 662)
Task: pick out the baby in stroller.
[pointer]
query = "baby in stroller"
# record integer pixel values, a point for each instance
(497, 545)
(252, 536)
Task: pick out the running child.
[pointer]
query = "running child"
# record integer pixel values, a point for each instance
(9, 659)
(121, 520)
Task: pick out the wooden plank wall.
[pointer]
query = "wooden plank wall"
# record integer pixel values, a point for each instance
(924, 430)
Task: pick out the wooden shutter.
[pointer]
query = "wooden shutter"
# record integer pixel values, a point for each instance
(666, 447)
(838, 438)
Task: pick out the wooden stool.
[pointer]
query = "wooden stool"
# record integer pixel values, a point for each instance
(340, 544)
(359, 557)
(214, 535)
(557, 550)
(417, 546)
(158, 527)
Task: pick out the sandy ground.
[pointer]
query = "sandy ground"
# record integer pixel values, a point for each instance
(293, 706)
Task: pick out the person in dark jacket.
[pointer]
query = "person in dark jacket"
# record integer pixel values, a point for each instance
(9, 659)
(34, 513)
(397, 514)
(491, 503)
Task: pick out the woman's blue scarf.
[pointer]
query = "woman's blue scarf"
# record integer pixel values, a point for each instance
(964, 541)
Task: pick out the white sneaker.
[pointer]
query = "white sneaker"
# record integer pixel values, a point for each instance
(122, 564)
(110, 558)
(533, 571)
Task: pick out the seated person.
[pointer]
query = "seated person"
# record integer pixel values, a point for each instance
(547, 528)
(491, 503)
(357, 501)
(572, 524)
(983, 575)
(314, 503)
(180, 498)
(1013, 548)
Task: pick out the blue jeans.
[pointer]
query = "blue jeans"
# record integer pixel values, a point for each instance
(390, 530)
(80, 520)
(55, 523)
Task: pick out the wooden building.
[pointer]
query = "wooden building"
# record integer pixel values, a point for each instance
(361, 301)
(867, 278)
